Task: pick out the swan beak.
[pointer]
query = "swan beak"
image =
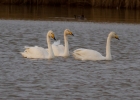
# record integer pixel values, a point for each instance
(117, 37)
(54, 38)
(72, 34)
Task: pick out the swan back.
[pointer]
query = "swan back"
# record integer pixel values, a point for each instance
(87, 54)
(39, 52)
(34, 52)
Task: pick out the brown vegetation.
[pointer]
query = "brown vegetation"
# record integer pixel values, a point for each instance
(116, 3)
(93, 3)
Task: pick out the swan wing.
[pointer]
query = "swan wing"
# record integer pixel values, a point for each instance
(56, 43)
(57, 48)
(87, 54)
(34, 52)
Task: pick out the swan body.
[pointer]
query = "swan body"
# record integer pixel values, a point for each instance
(88, 54)
(61, 50)
(39, 52)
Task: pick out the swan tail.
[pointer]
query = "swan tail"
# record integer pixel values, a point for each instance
(26, 53)
(77, 54)
(33, 52)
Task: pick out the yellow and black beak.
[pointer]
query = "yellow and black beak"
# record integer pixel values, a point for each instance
(72, 34)
(53, 36)
(117, 37)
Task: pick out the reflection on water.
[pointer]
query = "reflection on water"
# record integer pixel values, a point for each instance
(67, 13)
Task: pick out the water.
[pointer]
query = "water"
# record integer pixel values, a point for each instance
(64, 13)
(67, 78)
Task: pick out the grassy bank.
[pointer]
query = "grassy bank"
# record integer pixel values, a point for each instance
(93, 3)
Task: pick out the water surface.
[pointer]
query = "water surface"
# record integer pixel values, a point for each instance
(67, 78)
(64, 13)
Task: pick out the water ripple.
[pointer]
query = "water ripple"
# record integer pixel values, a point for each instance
(67, 78)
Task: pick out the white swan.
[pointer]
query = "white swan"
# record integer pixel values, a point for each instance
(60, 50)
(39, 52)
(87, 54)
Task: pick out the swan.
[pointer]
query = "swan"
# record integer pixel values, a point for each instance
(61, 50)
(39, 52)
(88, 54)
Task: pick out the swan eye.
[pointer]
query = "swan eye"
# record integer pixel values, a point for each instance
(70, 32)
(52, 35)
(116, 36)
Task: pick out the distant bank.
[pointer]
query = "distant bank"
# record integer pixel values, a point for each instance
(132, 4)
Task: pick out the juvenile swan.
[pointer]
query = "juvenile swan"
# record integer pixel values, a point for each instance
(39, 52)
(87, 54)
(61, 50)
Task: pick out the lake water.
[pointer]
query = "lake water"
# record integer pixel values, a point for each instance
(68, 78)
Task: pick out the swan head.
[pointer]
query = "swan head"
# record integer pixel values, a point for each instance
(51, 34)
(113, 35)
(67, 32)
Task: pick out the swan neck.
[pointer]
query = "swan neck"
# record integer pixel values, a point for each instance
(108, 50)
(66, 51)
(50, 51)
